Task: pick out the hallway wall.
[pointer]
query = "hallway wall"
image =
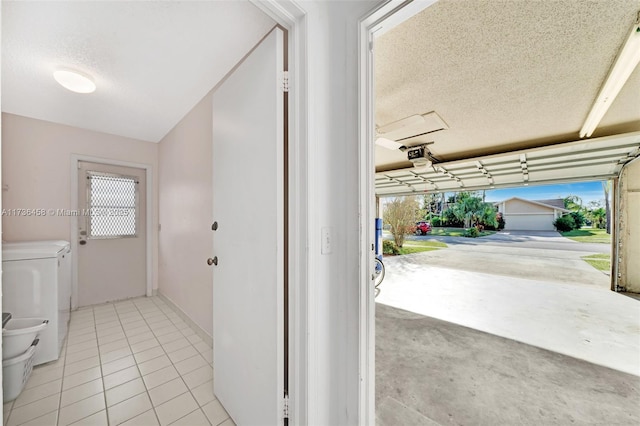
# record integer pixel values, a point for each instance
(186, 215)
(36, 164)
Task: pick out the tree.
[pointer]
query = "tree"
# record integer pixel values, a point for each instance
(430, 205)
(471, 210)
(450, 219)
(400, 214)
(572, 202)
(598, 218)
(606, 186)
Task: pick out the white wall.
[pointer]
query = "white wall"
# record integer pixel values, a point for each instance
(36, 163)
(186, 215)
(333, 299)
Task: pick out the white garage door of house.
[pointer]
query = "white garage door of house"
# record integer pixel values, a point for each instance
(528, 222)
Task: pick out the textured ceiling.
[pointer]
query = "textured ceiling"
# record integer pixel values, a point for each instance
(152, 61)
(503, 75)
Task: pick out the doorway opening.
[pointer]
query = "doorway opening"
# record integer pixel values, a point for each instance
(426, 94)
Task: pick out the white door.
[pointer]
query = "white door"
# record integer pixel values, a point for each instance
(248, 207)
(112, 233)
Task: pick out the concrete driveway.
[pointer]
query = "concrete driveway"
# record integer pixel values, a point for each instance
(513, 328)
(542, 255)
(531, 288)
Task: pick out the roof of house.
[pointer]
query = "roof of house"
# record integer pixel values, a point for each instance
(556, 204)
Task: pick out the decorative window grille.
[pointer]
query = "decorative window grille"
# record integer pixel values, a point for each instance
(113, 205)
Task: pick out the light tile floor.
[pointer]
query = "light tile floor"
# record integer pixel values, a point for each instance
(134, 362)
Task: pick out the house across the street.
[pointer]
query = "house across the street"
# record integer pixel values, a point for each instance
(530, 215)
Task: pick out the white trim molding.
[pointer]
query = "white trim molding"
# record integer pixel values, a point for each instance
(381, 19)
(290, 16)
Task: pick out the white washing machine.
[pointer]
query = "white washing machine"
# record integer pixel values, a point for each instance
(36, 283)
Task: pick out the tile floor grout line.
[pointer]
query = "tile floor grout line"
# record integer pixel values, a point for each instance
(104, 390)
(181, 378)
(64, 367)
(138, 367)
(156, 311)
(13, 403)
(187, 386)
(91, 396)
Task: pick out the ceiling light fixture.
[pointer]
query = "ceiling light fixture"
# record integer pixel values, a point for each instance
(388, 143)
(625, 63)
(75, 81)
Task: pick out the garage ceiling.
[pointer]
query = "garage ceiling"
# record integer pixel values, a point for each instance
(505, 76)
(594, 159)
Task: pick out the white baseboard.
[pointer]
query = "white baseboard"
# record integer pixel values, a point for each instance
(199, 331)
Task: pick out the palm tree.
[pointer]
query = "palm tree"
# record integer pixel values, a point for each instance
(598, 217)
(572, 202)
(473, 211)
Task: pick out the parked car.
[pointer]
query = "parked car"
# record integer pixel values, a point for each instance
(422, 228)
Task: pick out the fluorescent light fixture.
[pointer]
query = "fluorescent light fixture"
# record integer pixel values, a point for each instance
(625, 63)
(75, 81)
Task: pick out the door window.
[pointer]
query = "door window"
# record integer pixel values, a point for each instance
(113, 205)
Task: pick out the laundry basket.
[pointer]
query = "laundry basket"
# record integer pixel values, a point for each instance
(19, 333)
(15, 373)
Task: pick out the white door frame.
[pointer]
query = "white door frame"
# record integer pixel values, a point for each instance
(292, 18)
(75, 159)
(383, 18)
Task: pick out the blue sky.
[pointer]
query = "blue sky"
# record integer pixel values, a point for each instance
(588, 191)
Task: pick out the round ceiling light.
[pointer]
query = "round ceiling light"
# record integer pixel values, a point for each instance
(75, 81)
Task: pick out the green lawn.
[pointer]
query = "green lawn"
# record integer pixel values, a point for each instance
(588, 235)
(454, 232)
(602, 262)
(408, 249)
(425, 243)
(420, 246)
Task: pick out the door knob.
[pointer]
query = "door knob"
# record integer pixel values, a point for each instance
(213, 261)
(214, 227)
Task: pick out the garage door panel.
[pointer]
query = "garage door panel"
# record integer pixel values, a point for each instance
(529, 222)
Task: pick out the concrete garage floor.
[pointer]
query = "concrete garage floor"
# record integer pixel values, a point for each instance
(533, 289)
(432, 372)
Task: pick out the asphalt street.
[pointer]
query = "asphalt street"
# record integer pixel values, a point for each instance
(536, 240)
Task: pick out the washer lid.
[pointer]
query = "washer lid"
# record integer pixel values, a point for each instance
(33, 249)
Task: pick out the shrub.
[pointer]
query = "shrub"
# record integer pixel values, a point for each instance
(578, 218)
(471, 232)
(436, 221)
(400, 213)
(501, 223)
(565, 223)
(389, 247)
